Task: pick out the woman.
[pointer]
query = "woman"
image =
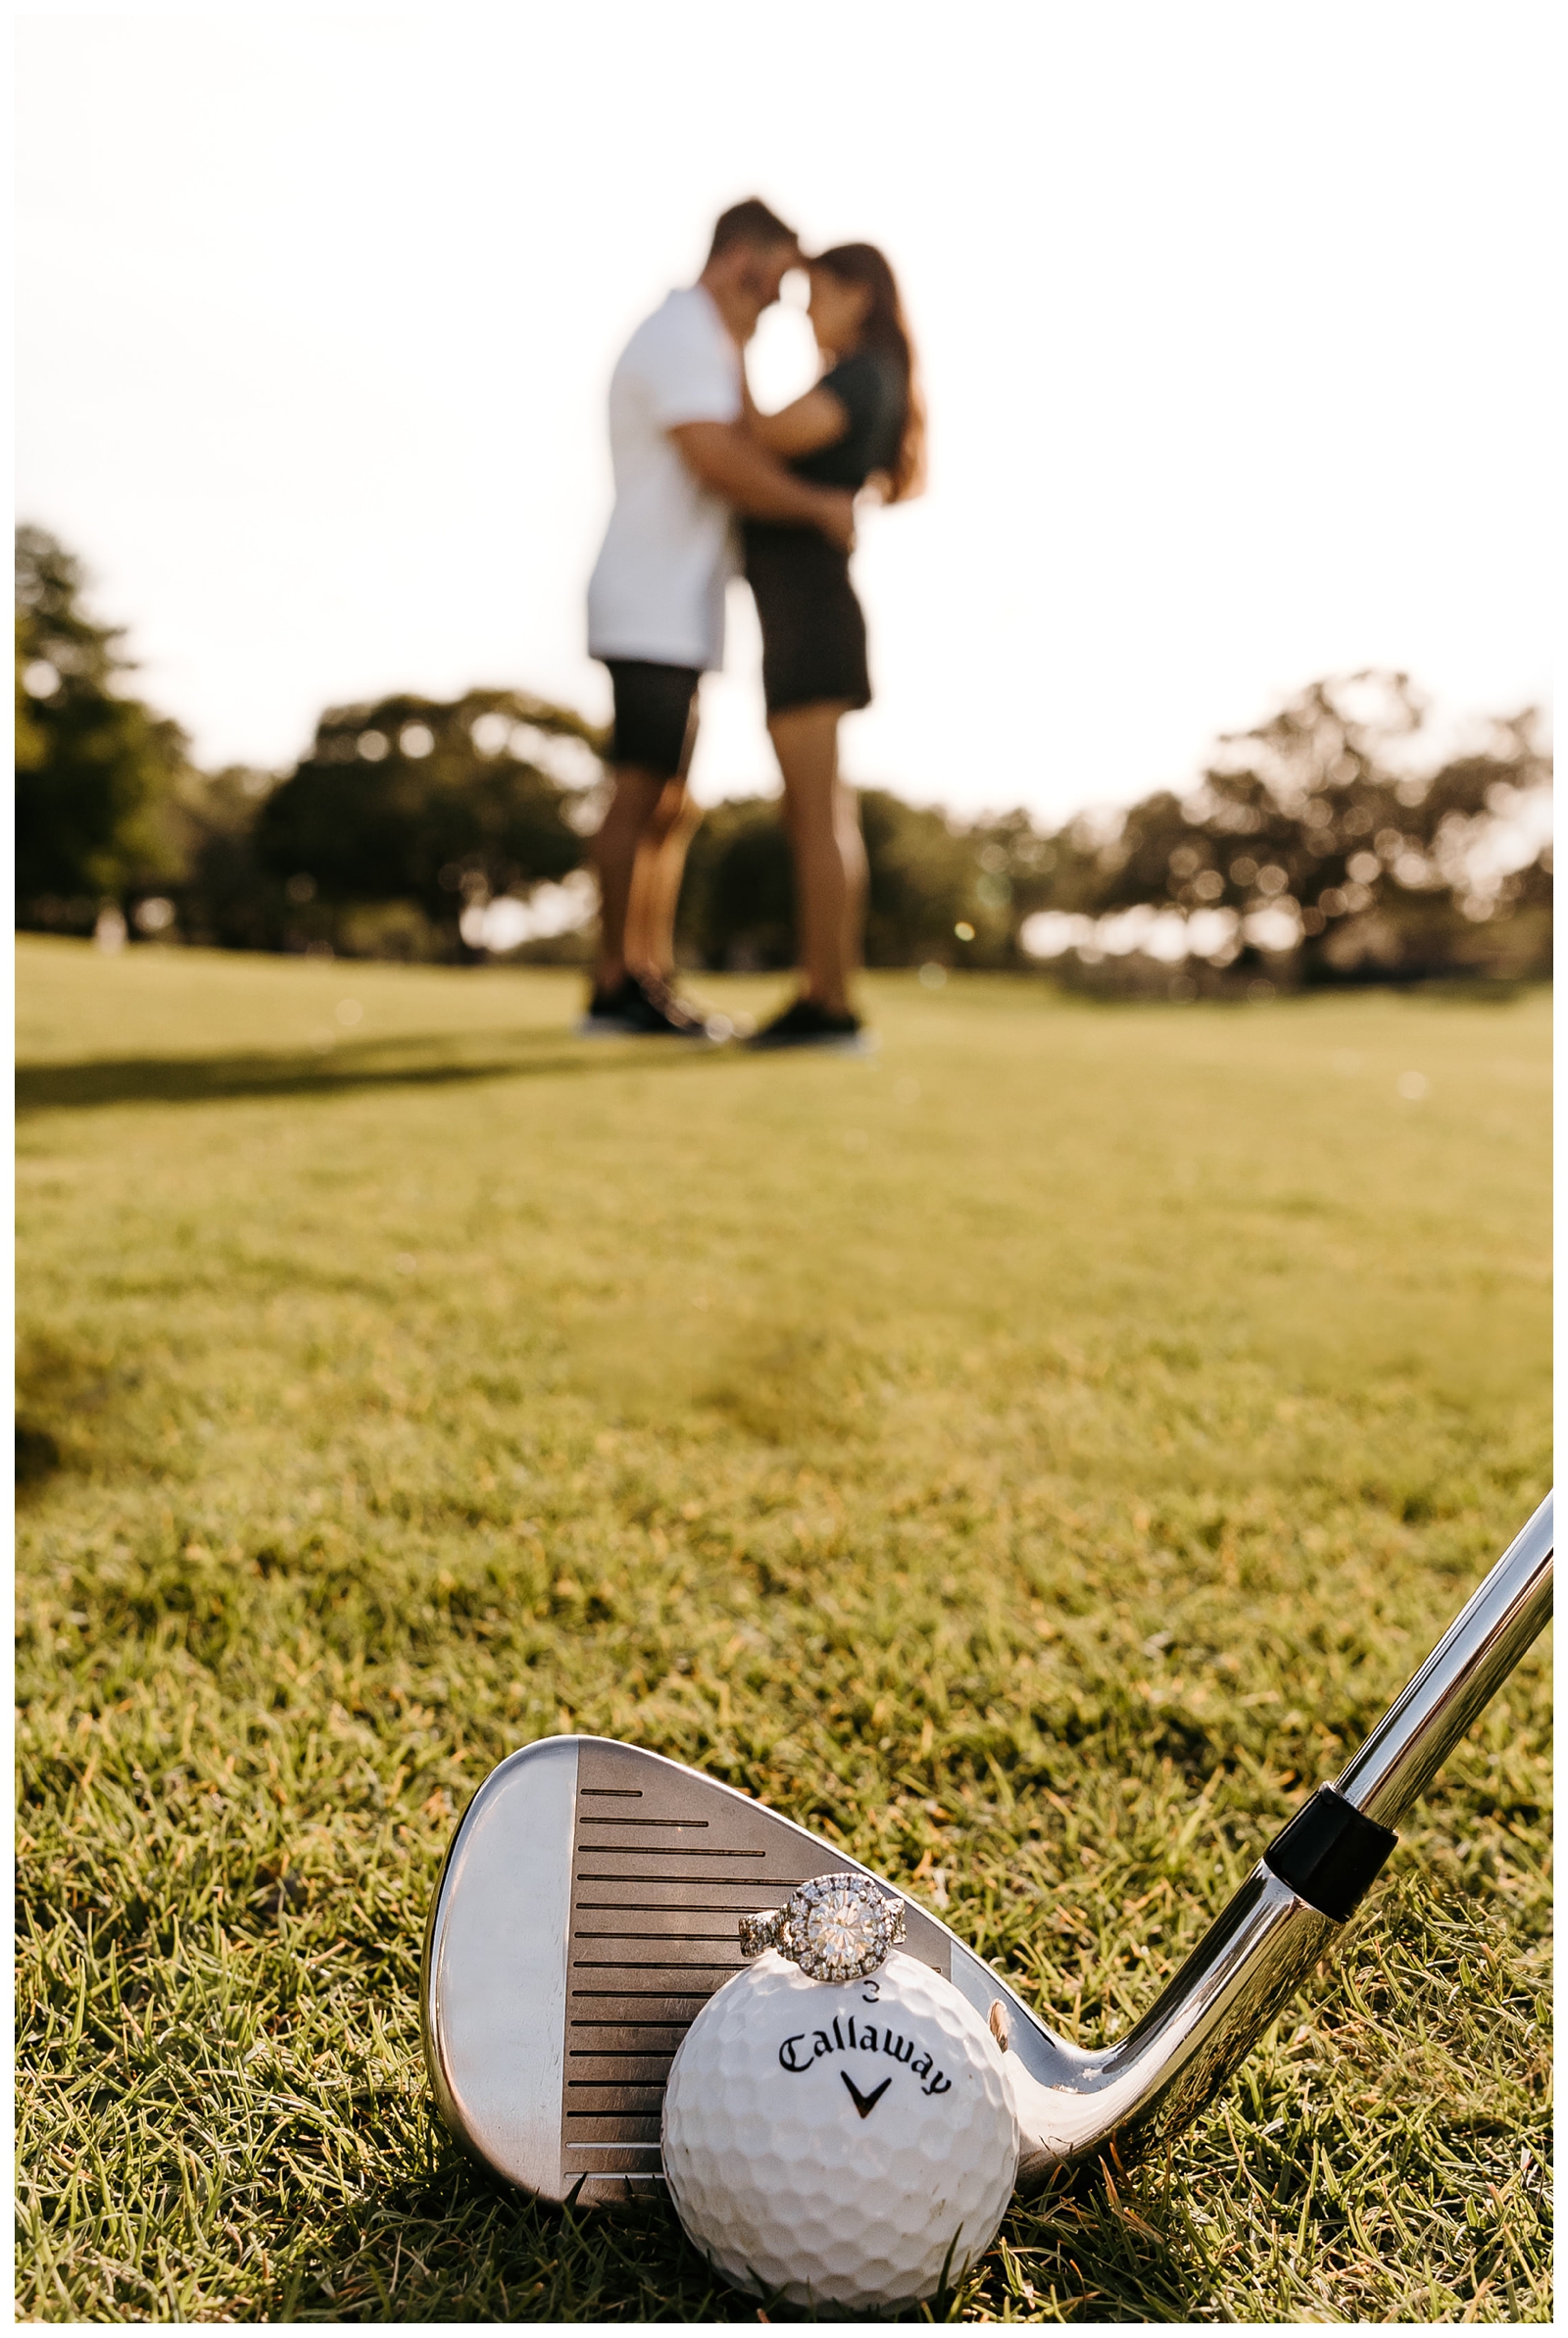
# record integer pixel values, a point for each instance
(864, 424)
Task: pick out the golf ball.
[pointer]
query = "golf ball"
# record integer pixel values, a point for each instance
(840, 2143)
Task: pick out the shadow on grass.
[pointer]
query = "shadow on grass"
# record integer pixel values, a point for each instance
(453, 2244)
(65, 1387)
(37, 1452)
(223, 1079)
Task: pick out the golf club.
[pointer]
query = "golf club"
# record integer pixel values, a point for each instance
(590, 1899)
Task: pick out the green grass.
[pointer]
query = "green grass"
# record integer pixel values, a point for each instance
(1033, 1459)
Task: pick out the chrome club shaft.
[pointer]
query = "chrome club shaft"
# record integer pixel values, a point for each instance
(1458, 1681)
(1290, 1910)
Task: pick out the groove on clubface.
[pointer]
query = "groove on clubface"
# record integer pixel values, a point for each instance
(634, 1855)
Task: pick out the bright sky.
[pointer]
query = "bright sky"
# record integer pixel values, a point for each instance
(1229, 318)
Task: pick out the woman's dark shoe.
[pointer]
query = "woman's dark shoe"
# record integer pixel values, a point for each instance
(806, 1024)
(639, 1008)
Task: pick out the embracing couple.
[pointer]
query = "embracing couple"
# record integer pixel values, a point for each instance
(692, 456)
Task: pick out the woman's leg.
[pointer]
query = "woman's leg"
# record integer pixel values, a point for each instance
(856, 877)
(656, 882)
(806, 742)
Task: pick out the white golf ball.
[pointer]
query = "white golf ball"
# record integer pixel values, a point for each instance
(843, 2143)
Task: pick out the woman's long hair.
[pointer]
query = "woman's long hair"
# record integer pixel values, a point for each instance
(884, 329)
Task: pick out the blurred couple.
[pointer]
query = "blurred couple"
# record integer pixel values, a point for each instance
(692, 458)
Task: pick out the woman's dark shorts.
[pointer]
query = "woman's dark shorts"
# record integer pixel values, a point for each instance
(814, 635)
(656, 716)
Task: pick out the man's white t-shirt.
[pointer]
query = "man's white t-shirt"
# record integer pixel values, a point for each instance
(658, 586)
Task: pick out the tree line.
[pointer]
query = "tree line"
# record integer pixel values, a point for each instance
(1332, 843)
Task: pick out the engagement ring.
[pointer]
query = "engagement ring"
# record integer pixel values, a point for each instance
(835, 1929)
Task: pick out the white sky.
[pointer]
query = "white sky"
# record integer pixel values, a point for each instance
(1231, 319)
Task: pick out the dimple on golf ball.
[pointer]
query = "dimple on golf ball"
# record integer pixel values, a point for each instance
(843, 2144)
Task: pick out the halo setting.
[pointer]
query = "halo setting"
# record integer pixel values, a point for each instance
(835, 1929)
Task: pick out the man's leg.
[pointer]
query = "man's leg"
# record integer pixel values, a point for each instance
(614, 857)
(656, 731)
(650, 944)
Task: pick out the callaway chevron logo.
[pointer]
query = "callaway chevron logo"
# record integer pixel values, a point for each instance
(866, 2104)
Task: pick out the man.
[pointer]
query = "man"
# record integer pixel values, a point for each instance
(683, 464)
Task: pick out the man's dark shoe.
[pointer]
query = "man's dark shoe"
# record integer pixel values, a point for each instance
(806, 1024)
(639, 1008)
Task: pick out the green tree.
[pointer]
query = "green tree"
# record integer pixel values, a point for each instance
(1000, 869)
(1370, 864)
(225, 897)
(737, 898)
(435, 805)
(96, 771)
(923, 878)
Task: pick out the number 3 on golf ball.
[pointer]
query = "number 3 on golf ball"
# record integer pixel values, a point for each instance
(840, 2143)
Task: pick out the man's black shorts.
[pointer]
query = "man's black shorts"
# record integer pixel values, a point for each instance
(656, 716)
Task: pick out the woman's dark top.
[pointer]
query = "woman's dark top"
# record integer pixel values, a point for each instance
(814, 635)
(874, 394)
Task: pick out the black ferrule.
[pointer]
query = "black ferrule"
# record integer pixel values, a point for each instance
(1329, 1853)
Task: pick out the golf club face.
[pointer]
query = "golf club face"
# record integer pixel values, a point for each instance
(590, 1904)
(588, 1908)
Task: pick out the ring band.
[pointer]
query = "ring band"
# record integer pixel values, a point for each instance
(836, 1927)
(760, 1931)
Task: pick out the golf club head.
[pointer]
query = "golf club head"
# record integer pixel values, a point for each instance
(588, 1908)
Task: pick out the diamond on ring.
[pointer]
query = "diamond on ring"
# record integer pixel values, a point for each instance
(835, 1929)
